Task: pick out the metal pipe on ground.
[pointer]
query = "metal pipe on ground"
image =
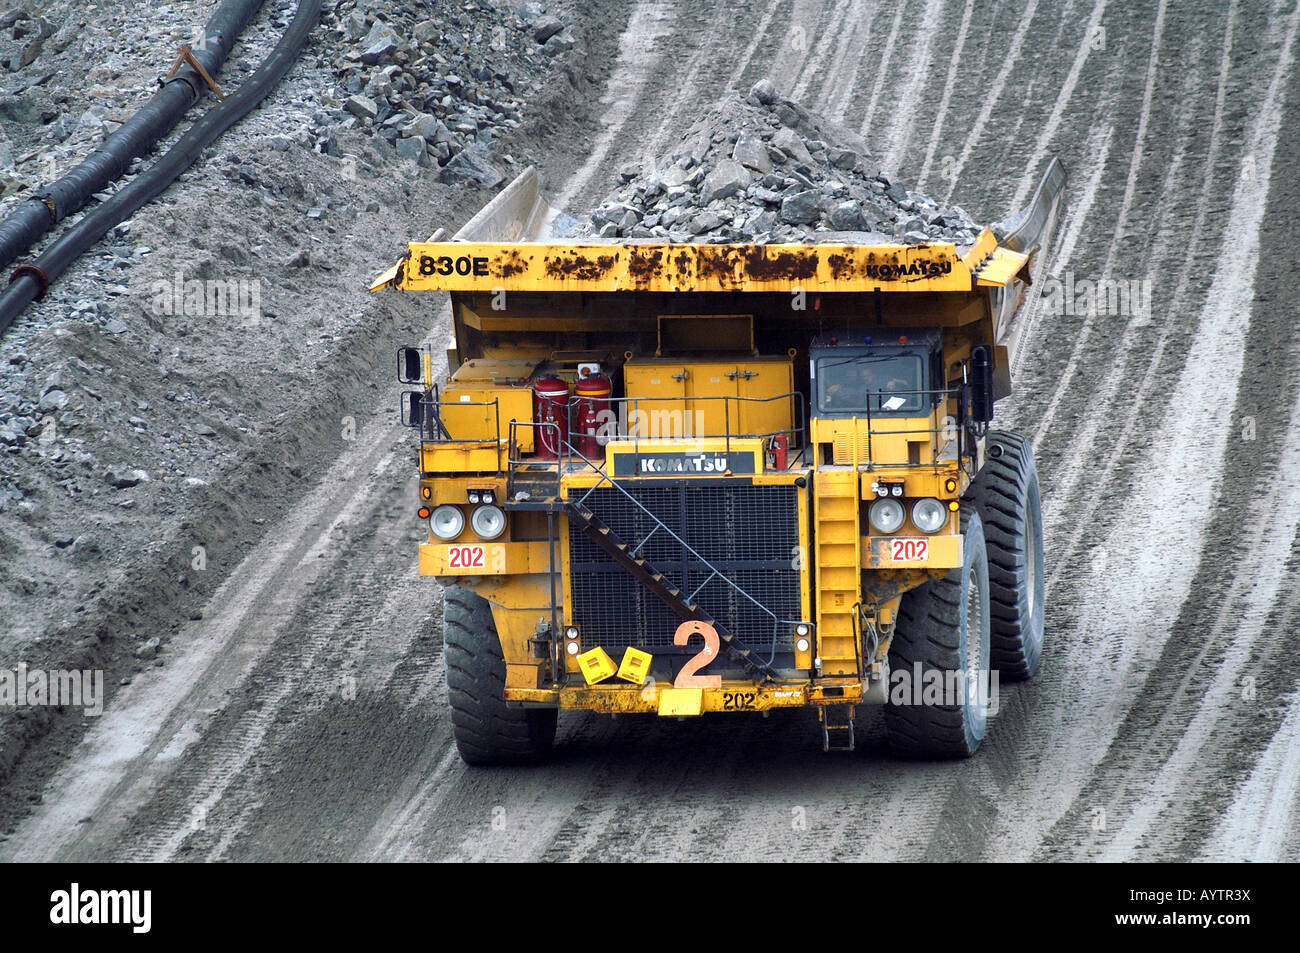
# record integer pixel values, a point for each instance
(136, 137)
(29, 282)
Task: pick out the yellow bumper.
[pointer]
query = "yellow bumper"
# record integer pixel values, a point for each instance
(653, 698)
(496, 559)
(942, 552)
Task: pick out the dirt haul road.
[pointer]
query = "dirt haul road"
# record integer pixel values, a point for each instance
(303, 717)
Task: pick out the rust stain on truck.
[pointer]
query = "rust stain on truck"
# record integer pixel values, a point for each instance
(580, 266)
(644, 264)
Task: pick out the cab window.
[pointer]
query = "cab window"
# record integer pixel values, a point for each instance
(891, 383)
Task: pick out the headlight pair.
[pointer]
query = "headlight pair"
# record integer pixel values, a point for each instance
(886, 515)
(448, 521)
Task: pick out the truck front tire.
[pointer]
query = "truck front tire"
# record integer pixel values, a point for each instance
(1006, 494)
(486, 731)
(942, 637)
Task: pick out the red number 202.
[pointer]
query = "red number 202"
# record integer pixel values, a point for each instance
(465, 557)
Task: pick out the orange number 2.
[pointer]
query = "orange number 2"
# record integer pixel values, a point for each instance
(687, 678)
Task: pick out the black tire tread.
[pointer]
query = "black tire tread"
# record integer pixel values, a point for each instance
(999, 494)
(928, 630)
(485, 730)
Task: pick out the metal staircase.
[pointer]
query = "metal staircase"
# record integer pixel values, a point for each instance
(837, 727)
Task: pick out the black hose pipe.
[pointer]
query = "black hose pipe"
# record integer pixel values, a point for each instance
(29, 282)
(136, 137)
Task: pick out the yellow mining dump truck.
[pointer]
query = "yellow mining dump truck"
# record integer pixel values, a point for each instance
(684, 479)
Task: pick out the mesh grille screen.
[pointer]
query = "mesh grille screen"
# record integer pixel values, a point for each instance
(748, 532)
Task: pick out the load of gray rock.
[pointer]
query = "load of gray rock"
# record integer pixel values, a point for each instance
(762, 169)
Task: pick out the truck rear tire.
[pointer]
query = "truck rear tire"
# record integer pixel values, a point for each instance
(943, 631)
(1006, 494)
(486, 731)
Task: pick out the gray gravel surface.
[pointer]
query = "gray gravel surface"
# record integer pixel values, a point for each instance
(298, 712)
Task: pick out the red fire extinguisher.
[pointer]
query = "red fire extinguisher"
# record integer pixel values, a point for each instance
(590, 403)
(551, 408)
(778, 451)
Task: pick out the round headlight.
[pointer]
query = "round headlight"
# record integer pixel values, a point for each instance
(488, 521)
(929, 515)
(886, 514)
(447, 521)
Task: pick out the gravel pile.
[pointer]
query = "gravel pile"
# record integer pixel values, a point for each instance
(763, 169)
(171, 355)
(438, 80)
(383, 87)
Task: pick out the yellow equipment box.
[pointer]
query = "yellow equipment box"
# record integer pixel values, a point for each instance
(688, 387)
(476, 384)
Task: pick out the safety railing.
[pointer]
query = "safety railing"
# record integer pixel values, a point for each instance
(797, 434)
(625, 420)
(433, 428)
(516, 462)
(621, 425)
(938, 434)
(432, 423)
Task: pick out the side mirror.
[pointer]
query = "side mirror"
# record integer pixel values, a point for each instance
(412, 408)
(410, 365)
(981, 384)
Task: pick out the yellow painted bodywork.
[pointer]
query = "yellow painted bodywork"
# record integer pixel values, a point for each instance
(483, 396)
(474, 457)
(992, 265)
(681, 701)
(518, 603)
(945, 551)
(615, 699)
(453, 487)
(500, 559)
(688, 389)
(898, 441)
(542, 266)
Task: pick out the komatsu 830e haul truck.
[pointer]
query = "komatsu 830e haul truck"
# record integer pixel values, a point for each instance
(679, 479)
